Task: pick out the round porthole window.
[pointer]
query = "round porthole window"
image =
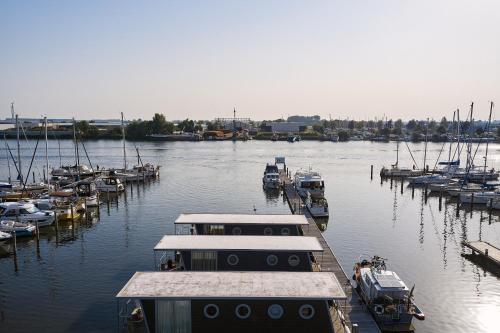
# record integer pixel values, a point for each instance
(306, 311)
(272, 260)
(293, 260)
(275, 311)
(236, 231)
(285, 231)
(211, 311)
(233, 259)
(243, 311)
(268, 231)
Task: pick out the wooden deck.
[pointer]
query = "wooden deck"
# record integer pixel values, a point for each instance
(485, 250)
(353, 311)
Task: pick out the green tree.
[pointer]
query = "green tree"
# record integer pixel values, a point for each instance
(186, 126)
(319, 128)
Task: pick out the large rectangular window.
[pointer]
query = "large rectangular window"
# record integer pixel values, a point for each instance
(173, 316)
(203, 260)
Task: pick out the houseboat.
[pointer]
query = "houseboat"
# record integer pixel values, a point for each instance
(271, 178)
(237, 253)
(245, 302)
(241, 224)
(309, 182)
(386, 296)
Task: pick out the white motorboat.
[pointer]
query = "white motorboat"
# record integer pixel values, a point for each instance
(271, 178)
(4, 236)
(480, 198)
(81, 170)
(109, 184)
(428, 179)
(26, 212)
(309, 182)
(318, 207)
(386, 296)
(20, 229)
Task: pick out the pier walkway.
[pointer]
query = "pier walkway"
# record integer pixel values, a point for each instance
(353, 312)
(485, 250)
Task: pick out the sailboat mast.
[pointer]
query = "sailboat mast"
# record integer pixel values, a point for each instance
(19, 152)
(46, 151)
(124, 151)
(8, 158)
(451, 141)
(458, 136)
(487, 143)
(425, 147)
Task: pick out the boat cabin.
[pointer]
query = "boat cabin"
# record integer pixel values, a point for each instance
(241, 224)
(237, 253)
(309, 181)
(266, 302)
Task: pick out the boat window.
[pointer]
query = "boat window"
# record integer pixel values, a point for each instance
(233, 259)
(293, 260)
(31, 210)
(2, 210)
(243, 311)
(285, 231)
(306, 311)
(275, 311)
(272, 260)
(204, 261)
(268, 231)
(213, 229)
(211, 311)
(237, 231)
(11, 212)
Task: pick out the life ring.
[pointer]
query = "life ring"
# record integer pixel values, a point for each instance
(379, 309)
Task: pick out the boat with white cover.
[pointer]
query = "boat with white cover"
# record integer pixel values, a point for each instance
(386, 296)
(21, 229)
(26, 212)
(318, 206)
(4, 236)
(309, 182)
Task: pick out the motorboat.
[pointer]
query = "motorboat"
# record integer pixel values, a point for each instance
(293, 138)
(480, 198)
(4, 236)
(317, 207)
(386, 296)
(309, 182)
(88, 190)
(19, 228)
(428, 179)
(271, 178)
(26, 212)
(396, 171)
(109, 184)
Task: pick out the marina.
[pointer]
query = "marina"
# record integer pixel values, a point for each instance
(136, 226)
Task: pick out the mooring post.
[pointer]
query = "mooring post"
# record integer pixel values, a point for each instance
(425, 193)
(355, 328)
(57, 226)
(457, 214)
(98, 207)
(108, 195)
(34, 177)
(485, 252)
(72, 221)
(440, 199)
(471, 201)
(14, 238)
(490, 208)
(412, 191)
(371, 172)
(402, 184)
(391, 182)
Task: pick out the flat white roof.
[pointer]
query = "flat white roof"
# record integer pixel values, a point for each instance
(243, 243)
(249, 285)
(242, 219)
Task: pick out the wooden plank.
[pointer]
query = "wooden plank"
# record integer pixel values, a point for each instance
(480, 247)
(353, 310)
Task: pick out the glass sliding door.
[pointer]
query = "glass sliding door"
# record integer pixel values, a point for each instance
(203, 260)
(173, 316)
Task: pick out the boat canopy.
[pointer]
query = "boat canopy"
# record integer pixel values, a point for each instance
(233, 285)
(268, 219)
(240, 243)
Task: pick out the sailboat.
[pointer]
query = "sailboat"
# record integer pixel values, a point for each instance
(396, 170)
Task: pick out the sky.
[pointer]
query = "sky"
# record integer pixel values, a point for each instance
(268, 59)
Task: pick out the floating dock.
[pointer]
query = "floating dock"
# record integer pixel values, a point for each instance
(485, 250)
(354, 315)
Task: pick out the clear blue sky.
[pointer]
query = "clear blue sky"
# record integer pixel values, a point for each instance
(198, 59)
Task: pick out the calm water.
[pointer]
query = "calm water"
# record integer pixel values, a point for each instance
(71, 283)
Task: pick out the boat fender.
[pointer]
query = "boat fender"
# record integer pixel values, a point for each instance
(379, 309)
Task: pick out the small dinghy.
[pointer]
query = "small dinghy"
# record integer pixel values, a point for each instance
(4, 236)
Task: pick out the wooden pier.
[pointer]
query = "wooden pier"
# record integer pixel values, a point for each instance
(485, 250)
(353, 314)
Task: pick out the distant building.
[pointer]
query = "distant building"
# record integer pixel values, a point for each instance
(285, 126)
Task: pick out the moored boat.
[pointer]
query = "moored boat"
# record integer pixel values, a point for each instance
(309, 182)
(26, 212)
(20, 229)
(271, 178)
(386, 296)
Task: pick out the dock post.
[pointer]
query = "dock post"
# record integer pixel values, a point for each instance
(471, 202)
(294, 207)
(485, 252)
(355, 328)
(14, 239)
(72, 221)
(457, 214)
(57, 227)
(391, 182)
(440, 199)
(371, 172)
(490, 208)
(34, 177)
(402, 184)
(98, 207)
(108, 195)
(425, 193)
(412, 191)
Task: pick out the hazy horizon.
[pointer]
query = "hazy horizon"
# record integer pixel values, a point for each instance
(269, 59)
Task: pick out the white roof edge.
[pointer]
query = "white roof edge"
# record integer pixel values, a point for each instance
(241, 243)
(238, 218)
